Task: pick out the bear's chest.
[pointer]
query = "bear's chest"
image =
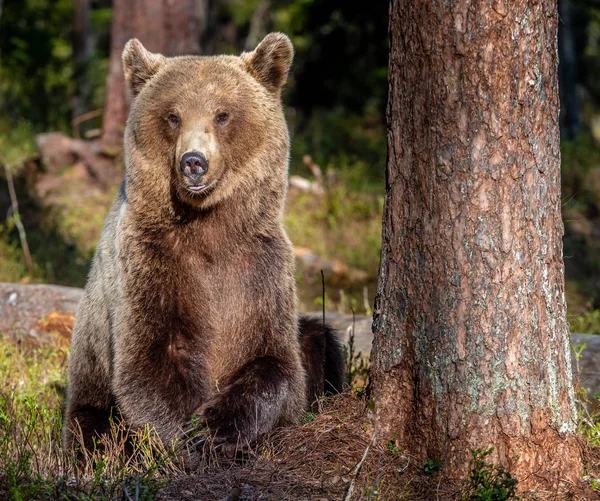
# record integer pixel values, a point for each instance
(204, 303)
(230, 300)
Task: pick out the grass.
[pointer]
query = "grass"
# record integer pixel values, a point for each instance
(32, 463)
(32, 382)
(343, 225)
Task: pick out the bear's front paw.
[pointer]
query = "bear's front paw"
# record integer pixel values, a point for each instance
(229, 425)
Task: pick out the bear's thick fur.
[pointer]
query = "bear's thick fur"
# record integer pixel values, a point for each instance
(190, 305)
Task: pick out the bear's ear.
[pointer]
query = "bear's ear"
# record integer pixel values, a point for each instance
(270, 62)
(139, 65)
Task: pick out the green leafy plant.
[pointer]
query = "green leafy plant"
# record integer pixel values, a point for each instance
(308, 417)
(587, 322)
(588, 409)
(357, 368)
(392, 447)
(432, 466)
(488, 482)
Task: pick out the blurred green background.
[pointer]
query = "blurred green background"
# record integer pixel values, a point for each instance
(54, 64)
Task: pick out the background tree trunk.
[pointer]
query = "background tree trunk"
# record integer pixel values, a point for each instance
(471, 345)
(165, 26)
(81, 54)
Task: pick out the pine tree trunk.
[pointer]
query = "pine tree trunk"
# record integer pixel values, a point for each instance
(471, 345)
(168, 27)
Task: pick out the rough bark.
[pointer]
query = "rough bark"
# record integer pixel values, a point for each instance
(164, 26)
(471, 346)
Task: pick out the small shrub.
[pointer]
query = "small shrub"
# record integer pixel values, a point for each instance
(488, 482)
(432, 466)
(357, 368)
(392, 447)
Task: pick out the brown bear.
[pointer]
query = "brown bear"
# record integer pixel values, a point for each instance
(190, 305)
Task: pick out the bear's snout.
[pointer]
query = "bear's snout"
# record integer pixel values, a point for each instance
(193, 165)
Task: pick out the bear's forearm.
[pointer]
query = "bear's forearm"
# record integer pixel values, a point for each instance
(254, 400)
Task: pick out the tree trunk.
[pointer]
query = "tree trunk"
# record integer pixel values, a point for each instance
(81, 54)
(471, 346)
(258, 25)
(164, 26)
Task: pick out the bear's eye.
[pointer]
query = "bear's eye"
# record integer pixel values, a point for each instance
(222, 118)
(173, 120)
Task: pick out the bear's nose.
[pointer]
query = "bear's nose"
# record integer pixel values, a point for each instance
(193, 165)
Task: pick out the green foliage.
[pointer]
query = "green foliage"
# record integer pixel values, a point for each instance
(581, 207)
(345, 224)
(587, 322)
(308, 417)
(357, 368)
(579, 161)
(36, 74)
(338, 87)
(588, 14)
(13, 266)
(589, 426)
(16, 142)
(392, 447)
(30, 418)
(352, 145)
(488, 482)
(241, 11)
(432, 466)
(36, 62)
(341, 53)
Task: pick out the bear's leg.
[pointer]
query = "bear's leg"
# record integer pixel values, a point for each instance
(322, 358)
(89, 398)
(157, 399)
(89, 402)
(87, 423)
(252, 403)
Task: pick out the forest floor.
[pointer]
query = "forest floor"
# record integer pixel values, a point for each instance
(335, 454)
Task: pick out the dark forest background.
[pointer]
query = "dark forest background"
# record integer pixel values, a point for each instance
(54, 65)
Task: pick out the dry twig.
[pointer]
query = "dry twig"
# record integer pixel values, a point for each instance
(17, 216)
(355, 473)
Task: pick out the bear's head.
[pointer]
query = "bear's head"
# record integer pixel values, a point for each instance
(204, 129)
